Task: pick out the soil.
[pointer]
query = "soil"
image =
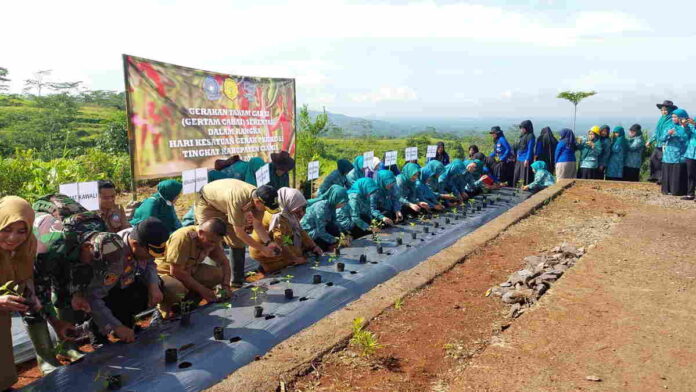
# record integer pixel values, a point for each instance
(621, 315)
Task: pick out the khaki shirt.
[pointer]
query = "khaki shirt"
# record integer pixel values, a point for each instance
(115, 219)
(183, 250)
(229, 196)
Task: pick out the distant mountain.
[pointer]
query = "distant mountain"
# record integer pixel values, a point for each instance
(402, 127)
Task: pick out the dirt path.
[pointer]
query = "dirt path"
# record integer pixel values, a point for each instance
(606, 317)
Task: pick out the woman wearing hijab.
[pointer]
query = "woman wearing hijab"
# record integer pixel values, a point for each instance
(408, 193)
(504, 164)
(546, 148)
(359, 202)
(17, 253)
(336, 177)
(426, 185)
(161, 206)
(542, 178)
(634, 154)
(471, 177)
(564, 156)
(605, 140)
(232, 167)
(281, 164)
(674, 142)
(284, 228)
(441, 155)
(372, 169)
(450, 181)
(320, 221)
(663, 125)
(590, 154)
(690, 160)
(525, 154)
(253, 166)
(615, 164)
(357, 172)
(384, 203)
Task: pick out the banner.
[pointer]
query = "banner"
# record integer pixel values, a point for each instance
(85, 193)
(182, 118)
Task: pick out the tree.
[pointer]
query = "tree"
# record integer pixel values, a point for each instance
(309, 146)
(575, 97)
(64, 87)
(38, 82)
(4, 79)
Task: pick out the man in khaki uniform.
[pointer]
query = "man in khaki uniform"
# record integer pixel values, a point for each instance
(181, 268)
(231, 200)
(113, 214)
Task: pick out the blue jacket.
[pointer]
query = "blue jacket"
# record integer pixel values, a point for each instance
(691, 144)
(564, 153)
(634, 152)
(527, 154)
(674, 146)
(317, 217)
(616, 161)
(590, 156)
(502, 149)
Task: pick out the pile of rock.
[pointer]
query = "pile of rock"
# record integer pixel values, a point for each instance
(527, 285)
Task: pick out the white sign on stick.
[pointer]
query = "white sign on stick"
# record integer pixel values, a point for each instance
(411, 153)
(390, 158)
(193, 180)
(85, 193)
(313, 170)
(367, 159)
(432, 152)
(263, 175)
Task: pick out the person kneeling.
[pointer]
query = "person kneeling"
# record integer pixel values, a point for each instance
(542, 178)
(185, 277)
(285, 230)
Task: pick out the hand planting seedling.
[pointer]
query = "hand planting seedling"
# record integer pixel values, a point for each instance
(365, 341)
(344, 240)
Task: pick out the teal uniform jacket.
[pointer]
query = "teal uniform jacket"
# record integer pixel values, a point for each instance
(617, 157)
(384, 200)
(690, 152)
(590, 156)
(674, 146)
(542, 177)
(406, 188)
(634, 152)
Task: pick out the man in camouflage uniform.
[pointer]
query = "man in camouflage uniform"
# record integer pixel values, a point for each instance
(125, 280)
(59, 227)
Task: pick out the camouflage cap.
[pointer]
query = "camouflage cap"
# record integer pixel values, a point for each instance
(109, 253)
(58, 205)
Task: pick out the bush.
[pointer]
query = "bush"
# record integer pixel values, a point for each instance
(29, 177)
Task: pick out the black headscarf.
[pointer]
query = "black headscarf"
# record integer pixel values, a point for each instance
(526, 136)
(442, 157)
(547, 151)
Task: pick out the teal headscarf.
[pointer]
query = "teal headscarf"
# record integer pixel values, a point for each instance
(364, 187)
(432, 169)
(344, 166)
(169, 189)
(333, 196)
(621, 139)
(215, 175)
(408, 171)
(538, 165)
(159, 205)
(358, 163)
(455, 168)
(384, 178)
(681, 113)
(254, 164)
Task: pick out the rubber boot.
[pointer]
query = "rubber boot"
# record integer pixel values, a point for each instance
(238, 277)
(43, 345)
(70, 349)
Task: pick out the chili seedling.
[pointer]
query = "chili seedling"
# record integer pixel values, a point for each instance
(366, 341)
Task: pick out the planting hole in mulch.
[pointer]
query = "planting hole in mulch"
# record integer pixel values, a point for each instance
(185, 365)
(353, 272)
(274, 281)
(235, 339)
(373, 262)
(329, 284)
(270, 317)
(303, 299)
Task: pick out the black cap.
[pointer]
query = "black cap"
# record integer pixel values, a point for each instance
(152, 233)
(636, 127)
(668, 104)
(268, 195)
(495, 129)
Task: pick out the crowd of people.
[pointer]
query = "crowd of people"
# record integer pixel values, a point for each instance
(88, 274)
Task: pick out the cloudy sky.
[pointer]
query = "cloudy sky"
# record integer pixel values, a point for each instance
(380, 58)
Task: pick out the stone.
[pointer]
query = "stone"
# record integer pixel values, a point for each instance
(517, 296)
(548, 277)
(593, 378)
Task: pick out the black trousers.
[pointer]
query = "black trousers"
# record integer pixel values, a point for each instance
(656, 165)
(690, 176)
(522, 173)
(587, 174)
(674, 179)
(631, 174)
(124, 304)
(504, 171)
(238, 260)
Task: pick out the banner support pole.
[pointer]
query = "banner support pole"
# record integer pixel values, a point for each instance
(130, 130)
(294, 134)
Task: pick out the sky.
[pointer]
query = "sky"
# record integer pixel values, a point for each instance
(381, 58)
